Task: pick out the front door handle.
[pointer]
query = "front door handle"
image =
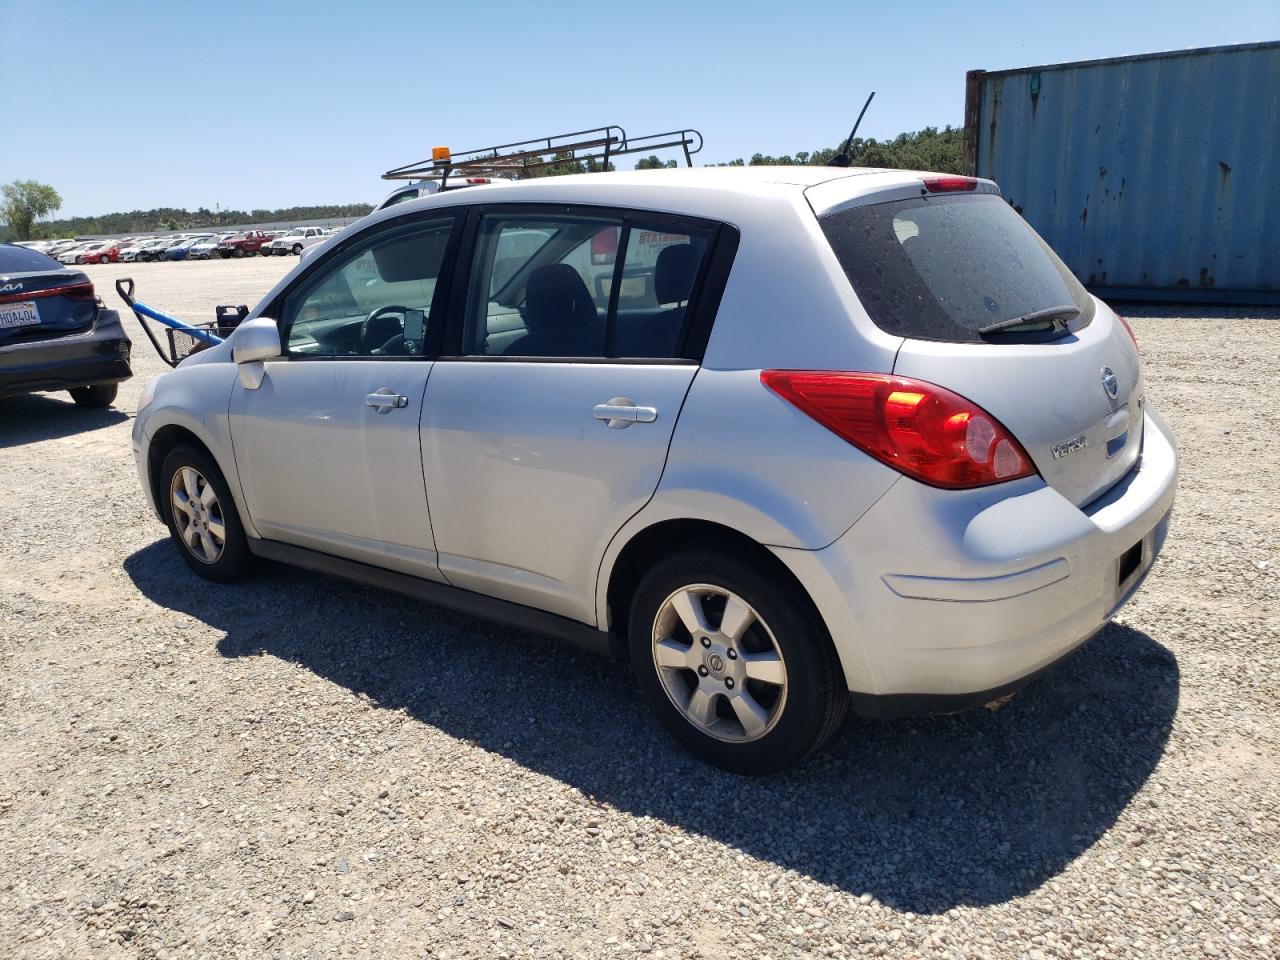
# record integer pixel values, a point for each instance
(385, 400)
(621, 412)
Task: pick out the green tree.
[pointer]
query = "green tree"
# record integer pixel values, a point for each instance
(25, 201)
(652, 162)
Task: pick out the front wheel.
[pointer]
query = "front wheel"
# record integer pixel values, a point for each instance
(739, 670)
(297, 249)
(95, 397)
(201, 515)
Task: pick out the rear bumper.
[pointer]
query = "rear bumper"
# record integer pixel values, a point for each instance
(938, 600)
(100, 355)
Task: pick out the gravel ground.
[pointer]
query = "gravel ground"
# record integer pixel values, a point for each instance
(298, 767)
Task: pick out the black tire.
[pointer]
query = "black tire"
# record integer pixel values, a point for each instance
(234, 560)
(297, 249)
(95, 397)
(237, 252)
(816, 697)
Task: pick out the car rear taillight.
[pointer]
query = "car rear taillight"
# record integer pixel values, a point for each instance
(918, 428)
(1128, 329)
(72, 291)
(949, 184)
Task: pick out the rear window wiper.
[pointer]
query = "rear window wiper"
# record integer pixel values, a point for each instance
(1059, 313)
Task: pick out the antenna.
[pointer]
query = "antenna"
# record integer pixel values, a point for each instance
(841, 159)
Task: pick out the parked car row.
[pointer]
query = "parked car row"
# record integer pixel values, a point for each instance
(183, 246)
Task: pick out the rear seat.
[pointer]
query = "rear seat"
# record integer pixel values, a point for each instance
(657, 334)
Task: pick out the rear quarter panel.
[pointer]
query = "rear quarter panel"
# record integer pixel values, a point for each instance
(741, 456)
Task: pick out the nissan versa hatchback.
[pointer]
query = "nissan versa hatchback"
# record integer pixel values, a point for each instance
(789, 439)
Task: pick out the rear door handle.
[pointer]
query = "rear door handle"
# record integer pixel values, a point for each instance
(385, 400)
(621, 412)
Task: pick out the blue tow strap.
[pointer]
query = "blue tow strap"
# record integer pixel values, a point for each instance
(212, 339)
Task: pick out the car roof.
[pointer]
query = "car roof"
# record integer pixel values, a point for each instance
(697, 191)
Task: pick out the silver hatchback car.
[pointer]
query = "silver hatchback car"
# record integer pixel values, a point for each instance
(790, 439)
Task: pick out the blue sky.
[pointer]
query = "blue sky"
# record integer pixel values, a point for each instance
(271, 104)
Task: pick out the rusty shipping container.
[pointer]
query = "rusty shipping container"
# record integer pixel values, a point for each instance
(1154, 176)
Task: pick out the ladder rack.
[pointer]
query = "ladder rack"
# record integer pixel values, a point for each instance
(523, 158)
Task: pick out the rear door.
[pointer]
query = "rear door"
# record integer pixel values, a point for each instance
(547, 423)
(953, 274)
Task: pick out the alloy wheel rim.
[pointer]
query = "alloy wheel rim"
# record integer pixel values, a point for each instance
(719, 663)
(197, 515)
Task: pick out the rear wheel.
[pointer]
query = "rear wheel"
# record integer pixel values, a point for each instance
(201, 515)
(97, 396)
(737, 668)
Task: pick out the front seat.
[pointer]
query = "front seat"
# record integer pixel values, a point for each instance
(560, 316)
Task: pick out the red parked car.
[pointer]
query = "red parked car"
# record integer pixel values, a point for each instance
(247, 244)
(108, 251)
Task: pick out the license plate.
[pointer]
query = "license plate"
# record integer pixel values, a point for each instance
(22, 314)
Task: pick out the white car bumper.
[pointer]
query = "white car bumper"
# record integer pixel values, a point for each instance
(941, 599)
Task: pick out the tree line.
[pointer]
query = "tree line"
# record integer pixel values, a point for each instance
(928, 149)
(941, 151)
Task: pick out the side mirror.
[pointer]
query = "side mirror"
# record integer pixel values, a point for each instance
(253, 342)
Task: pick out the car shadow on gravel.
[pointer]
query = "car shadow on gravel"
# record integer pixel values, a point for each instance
(33, 417)
(923, 814)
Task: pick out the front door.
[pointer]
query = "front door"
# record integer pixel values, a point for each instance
(327, 447)
(550, 426)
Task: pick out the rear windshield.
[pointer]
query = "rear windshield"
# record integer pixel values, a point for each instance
(946, 267)
(15, 259)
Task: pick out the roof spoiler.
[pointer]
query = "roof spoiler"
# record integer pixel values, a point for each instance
(526, 157)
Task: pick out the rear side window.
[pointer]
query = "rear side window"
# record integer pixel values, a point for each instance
(587, 285)
(948, 267)
(15, 259)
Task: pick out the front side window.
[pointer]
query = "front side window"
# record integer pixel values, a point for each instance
(584, 286)
(372, 299)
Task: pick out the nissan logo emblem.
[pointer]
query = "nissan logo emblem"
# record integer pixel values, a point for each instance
(1110, 382)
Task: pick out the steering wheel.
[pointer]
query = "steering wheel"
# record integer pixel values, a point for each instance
(363, 343)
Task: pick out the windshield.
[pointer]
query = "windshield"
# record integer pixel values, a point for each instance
(956, 269)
